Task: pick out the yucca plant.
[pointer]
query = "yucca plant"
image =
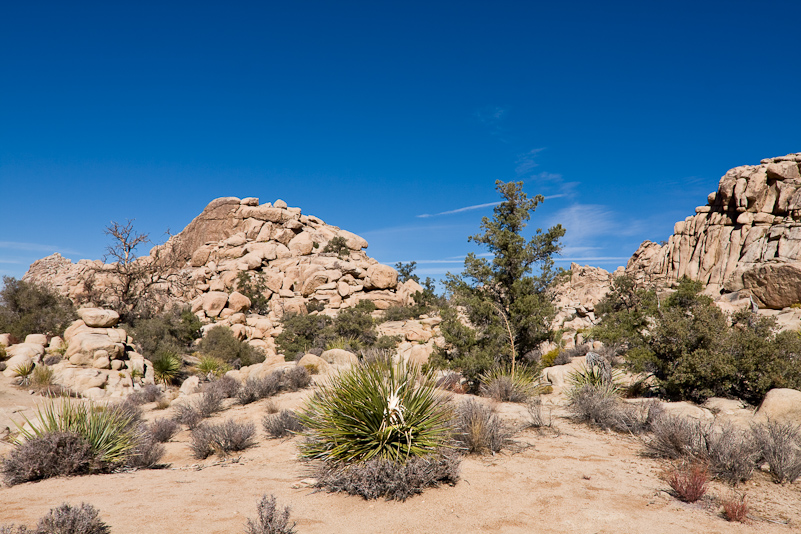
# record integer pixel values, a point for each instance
(166, 367)
(24, 372)
(503, 385)
(375, 411)
(349, 343)
(595, 377)
(108, 431)
(211, 366)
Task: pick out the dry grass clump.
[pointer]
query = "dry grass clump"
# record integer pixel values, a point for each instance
(478, 429)
(389, 479)
(780, 446)
(222, 439)
(735, 508)
(689, 481)
(282, 425)
(602, 407)
(270, 520)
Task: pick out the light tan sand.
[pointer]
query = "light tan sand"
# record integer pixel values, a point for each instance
(575, 480)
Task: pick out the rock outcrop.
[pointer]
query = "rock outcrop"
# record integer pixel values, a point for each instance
(747, 238)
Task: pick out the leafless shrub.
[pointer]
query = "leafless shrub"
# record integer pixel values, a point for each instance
(259, 388)
(149, 393)
(223, 438)
(282, 425)
(689, 481)
(12, 528)
(187, 414)
(676, 437)
(68, 519)
(535, 417)
(163, 429)
(295, 378)
(146, 452)
(49, 455)
(599, 407)
(478, 429)
(208, 404)
(270, 519)
(373, 355)
(393, 481)
(735, 508)
(224, 387)
(271, 407)
(780, 446)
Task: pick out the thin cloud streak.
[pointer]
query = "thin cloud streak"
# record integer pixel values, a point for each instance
(459, 210)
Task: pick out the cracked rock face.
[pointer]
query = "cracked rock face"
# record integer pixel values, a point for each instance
(746, 238)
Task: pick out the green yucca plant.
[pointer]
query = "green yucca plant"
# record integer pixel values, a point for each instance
(24, 372)
(108, 431)
(166, 367)
(373, 411)
(209, 365)
(594, 376)
(349, 343)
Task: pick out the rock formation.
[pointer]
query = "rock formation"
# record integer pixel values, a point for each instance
(746, 239)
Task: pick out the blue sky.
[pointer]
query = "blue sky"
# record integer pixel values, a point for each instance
(390, 119)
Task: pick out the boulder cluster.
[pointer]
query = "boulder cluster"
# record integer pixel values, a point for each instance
(747, 238)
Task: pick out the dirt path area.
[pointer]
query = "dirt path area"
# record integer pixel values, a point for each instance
(571, 480)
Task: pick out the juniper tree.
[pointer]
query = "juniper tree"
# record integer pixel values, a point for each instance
(503, 297)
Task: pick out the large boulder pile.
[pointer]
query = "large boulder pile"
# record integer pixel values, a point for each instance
(747, 238)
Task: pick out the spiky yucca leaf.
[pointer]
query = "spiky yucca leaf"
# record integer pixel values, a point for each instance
(375, 410)
(107, 431)
(594, 376)
(501, 384)
(166, 367)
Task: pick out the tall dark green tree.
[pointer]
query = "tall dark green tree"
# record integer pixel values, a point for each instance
(502, 295)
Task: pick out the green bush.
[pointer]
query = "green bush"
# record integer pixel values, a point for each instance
(220, 342)
(302, 333)
(27, 308)
(174, 330)
(339, 246)
(375, 411)
(255, 288)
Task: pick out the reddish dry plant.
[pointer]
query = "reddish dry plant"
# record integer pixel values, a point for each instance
(735, 508)
(689, 482)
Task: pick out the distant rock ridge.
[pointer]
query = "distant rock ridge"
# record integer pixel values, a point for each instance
(747, 238)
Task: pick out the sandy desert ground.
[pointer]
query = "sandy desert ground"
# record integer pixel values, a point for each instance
(568, 479)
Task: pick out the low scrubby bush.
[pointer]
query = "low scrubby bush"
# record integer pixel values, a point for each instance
(295, 378)
(224, 387)
(172, 331)
(689, 481)
(68, 519)
(270, 519)
(389, 479)
(780, 446)
(221, 343)
(600, 407)
(735, 508)
(256, 388)
(149, 393)
(49, 455)
(187, 414)
(477, 429)
(163, 429)
(146, 452)
(282, 425)
(222, 438)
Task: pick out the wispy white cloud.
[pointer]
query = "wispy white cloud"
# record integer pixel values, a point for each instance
(407, 229)
(554, 185)
(34, 247)
(459, 210)
(527, 162)
(16, 262)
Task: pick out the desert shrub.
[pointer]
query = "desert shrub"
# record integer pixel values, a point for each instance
(187, 414)
(780, 446)
(549, 358)
(535, 417)
(282, 425)
(398, 313)
(209, 403)
(735, 508)
(389, 479)
(477, 429)
(351, 344)
(172, 331)
(729, 453)
(49, 455)
(163, 429)
(337, 245)
(452, 382)
(146, 452)
(599, 407)
(689, 481)
(68, 519)
(376, 355)
(302, 333)
(567, 355)
(224, 387)
(108, 431)
(221, 343)
(271, 407)
(223, 438)
(166, 366)
(256, 388)
(599, 377)
(270, 519)
(295, 378)
(501, 384)
(210, 366)
(375, 411)
(148, 393)
(254, 288)
(28, 308)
